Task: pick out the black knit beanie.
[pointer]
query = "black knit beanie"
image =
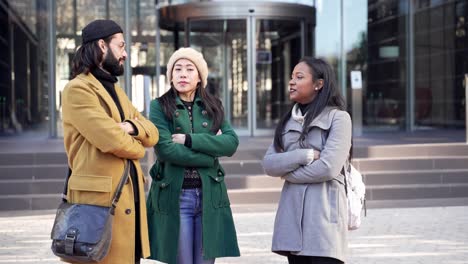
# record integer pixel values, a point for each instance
(100, 29)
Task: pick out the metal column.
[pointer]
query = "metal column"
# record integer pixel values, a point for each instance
(251, 72)
(410, 98)
(466, 106)
(158, 53)
(128, 46)
(342, 71)
(51, 71)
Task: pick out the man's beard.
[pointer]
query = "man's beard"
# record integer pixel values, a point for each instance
(112, 65)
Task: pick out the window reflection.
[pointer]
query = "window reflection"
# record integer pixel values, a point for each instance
(278, 51)
(142, 48)
(374, 38)
(23, 67)
(441, 60)
(385, 98)
(224, 46)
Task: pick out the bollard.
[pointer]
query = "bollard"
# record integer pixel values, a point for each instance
(466, 106)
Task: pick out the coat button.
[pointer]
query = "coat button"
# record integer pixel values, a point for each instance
(163, 185)
(204, 112)
(177, 114)
(128, 211)
(220, 173)
(178, 128)
(217, 179)
(204, 124)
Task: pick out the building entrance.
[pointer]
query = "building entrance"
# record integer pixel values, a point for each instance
(250, 51)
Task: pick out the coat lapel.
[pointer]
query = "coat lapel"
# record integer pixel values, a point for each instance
(324, 119)
(292, 125)
(101, 91)
(123, 99)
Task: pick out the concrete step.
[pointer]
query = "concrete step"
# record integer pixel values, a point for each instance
(33, 172)
(45, 194)
(373, 193)
(252, 167)
(253, 149)
(253, 195)
(256, 152)
(242, 167)
(416, 191)
(445, 176)
(32, 187)
(38, 172)
(411, 163)
(46, 158)
(377, 178)
(246, 154)
(29, 202)
(428, 202)
(260, 181)
(391, 173)
(42, 158)
(248, 161)
(411, 150)
(393, 194)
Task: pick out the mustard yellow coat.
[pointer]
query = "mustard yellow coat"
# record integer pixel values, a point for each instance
(97, 149)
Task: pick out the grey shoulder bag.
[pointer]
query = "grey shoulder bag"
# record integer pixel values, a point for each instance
(83, 232)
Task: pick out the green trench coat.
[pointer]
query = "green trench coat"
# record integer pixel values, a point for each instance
(219, 234)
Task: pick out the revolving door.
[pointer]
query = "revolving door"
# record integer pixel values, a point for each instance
(250, 51)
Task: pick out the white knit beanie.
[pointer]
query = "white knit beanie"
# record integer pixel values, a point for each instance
(193, 56)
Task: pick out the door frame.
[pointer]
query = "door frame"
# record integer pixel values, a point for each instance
(252, 64)
(180, 16)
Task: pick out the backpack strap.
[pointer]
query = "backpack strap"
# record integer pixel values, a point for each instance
(343, 171)
(324, 134)
(346, 166)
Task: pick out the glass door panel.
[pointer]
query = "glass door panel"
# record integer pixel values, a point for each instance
(278, 49)
(224, 46)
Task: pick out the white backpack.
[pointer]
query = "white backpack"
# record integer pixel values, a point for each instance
(355, 190)
(356, 196)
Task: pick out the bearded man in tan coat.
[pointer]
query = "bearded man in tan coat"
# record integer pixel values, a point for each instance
(102, 130)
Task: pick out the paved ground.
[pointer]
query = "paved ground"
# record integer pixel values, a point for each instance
(426, 235)
(40, 142)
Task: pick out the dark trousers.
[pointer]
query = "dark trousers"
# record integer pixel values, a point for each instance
(295, 259)
(137, 233)
(133, 174)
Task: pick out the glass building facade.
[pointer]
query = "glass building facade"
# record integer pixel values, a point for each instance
(411, 57)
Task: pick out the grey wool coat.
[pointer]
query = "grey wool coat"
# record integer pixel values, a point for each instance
(311, 219)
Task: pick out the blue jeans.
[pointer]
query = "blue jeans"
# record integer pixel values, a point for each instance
(190, 249)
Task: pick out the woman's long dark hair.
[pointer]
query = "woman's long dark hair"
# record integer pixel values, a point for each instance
(212, 104)
(87, 57)
(329, 95)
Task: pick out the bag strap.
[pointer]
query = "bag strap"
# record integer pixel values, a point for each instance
(122, 182)
(345, 168)
(118, 192)
(65, 187)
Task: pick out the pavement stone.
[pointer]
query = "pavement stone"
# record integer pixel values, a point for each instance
(426, 235)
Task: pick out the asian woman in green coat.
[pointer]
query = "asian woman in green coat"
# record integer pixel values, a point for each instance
(189, 214)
